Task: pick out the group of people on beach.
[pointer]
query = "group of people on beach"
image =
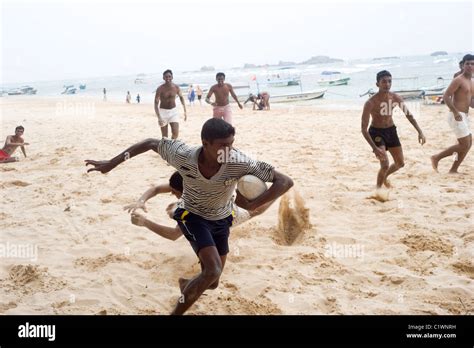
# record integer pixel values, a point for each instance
(206, 175)
(382, 134)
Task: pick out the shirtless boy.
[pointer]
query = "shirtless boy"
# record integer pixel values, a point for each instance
(458, 98)
(165, 106)
(11, 144)
(382, 134)
(221, 92)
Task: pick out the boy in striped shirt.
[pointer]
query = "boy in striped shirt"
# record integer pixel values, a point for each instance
(210, 173)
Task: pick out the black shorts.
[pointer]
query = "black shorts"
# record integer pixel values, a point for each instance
(387, 137)
(199, 97)
(202, 233)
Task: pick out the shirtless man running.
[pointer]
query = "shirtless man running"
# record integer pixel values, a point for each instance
(458, 97)
(382, 134)
(221, 91)
(165, 106)
(11, 144)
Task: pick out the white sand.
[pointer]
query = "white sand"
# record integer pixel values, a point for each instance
(349, 254)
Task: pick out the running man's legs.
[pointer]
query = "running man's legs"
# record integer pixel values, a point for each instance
(397, 154)
(211, 265)
(461, 148)
(383, 168)
(174, 130)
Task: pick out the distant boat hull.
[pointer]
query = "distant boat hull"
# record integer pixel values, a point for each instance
(337, 82)
(293, 97)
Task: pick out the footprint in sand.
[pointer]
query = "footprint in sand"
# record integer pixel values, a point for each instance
(93, 264)
(465, 268)
(420, 242)
(17, 183)
(7, 169)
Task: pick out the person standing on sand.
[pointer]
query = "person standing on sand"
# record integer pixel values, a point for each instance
(138, 98)
(210, 173)
(221, 91)
(165, 106)
(382, 134)
(11, 144)
(199, 94)
(128, 99)
(105, 94)
(458, 97)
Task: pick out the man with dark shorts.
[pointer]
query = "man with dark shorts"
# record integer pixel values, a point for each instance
(210, 173)
(382, 134)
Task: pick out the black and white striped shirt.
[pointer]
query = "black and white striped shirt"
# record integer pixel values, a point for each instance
(210, 198)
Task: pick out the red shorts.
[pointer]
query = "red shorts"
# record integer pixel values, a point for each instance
(4, 155)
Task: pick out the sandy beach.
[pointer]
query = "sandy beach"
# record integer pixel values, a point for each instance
(326, 248)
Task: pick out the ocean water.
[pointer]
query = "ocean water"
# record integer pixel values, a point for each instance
(407, 72)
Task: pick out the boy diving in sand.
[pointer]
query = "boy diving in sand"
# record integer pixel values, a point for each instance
(11, 144)
(382, 134)
(210, 173)
(175, 187)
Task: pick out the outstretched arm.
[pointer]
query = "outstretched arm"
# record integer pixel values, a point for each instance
(232, 93)
(411, 118)
(132, 151)
(150, 193)
(161, 230)
(281, 184)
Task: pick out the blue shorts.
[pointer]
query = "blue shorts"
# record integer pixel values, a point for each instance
(203, 233)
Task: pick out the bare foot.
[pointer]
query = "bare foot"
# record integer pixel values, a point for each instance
(455, 172)
(182, 283)
(434, 163)
(387, 184)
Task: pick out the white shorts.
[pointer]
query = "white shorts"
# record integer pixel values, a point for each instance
(168, 116)
(460, 128)
(240, 215)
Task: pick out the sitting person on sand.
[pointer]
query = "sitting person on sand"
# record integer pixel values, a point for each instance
(175, 187)
(11, 144)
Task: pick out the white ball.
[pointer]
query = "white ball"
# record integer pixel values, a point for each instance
(251, 187)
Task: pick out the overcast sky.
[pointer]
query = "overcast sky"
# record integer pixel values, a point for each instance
(50, 40)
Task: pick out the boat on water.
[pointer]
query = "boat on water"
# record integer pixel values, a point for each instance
(25, 90)
(404, 93)
(333, 78)
(141, 78)
(283, 77)
(301, 96)
(435, 90)
(70, 89)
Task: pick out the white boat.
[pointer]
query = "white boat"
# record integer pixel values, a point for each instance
(332, 78)
(69, 90)
(141, 78)
(282, 77)
(404, 93)
(294, 97)
(25, 90)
